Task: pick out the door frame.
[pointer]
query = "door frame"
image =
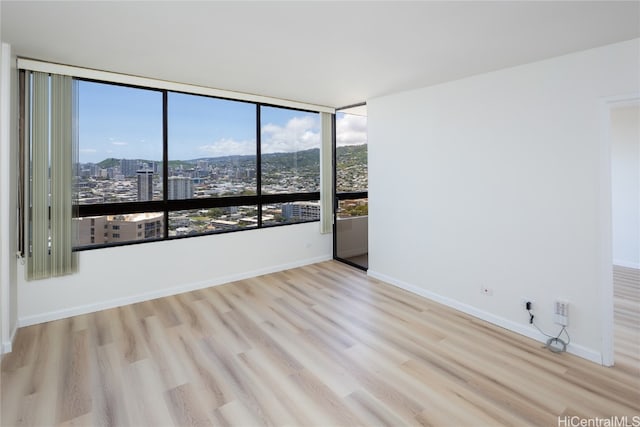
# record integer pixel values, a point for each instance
(606, 223)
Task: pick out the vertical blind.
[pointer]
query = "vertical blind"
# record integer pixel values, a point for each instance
(49, 141)
(326, 173)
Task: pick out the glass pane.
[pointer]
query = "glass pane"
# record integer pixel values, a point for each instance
(290, 148)
(352, 223)
(290, 213)
(213, 220)
(212, 147)
(113, 229)
(353, 208)
(351, 153)
(120, 144)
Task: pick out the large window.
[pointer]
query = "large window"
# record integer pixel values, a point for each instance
(156, 164)
(351, 164)
(120, 152)
(290, 147)
(351, 153)
(212, 147)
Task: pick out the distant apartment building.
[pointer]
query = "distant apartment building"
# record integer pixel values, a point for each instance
(180, 187)
(91, 230)
(119, 228)
(140, 226)
(145, 185)
(301, 211)
(129, 167)
(222, 225)
(202, 165)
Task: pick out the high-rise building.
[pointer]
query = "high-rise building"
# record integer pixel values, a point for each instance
(119, 228)
(305, 211)
(128, 167)
(180, 187)
(95, 170)
(202, 164)
(145, 185)
(140, 226)
(91, 230)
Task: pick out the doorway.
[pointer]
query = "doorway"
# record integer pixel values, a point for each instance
(624, 136)
(351, 185)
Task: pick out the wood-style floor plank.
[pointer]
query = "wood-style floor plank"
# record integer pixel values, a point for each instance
(626, 301)
(321, 345)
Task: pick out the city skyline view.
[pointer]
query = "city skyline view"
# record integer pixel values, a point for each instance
(118, 180)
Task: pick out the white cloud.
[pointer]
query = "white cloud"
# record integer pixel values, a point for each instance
(300, 133)
(119, 143)
(351, 130)
(228, 147)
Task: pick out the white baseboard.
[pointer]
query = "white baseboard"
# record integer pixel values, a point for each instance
(627, 264)
(526, 330)
(118, 302)
(7, 346)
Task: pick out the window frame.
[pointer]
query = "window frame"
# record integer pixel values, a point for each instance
(167, 205)
(343, 195)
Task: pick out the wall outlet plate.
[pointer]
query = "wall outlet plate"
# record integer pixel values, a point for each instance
(561, 311)
(524, 301)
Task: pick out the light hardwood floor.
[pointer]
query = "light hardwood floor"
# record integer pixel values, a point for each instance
(626, 302)
(322, 345)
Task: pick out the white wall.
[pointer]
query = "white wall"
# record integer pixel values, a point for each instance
(625, 180)
(4, 219)
(8, 196)
(110, 277)
(500, 178)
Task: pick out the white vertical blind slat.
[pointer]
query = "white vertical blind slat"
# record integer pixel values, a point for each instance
(39, 265)
(61, 175)
(326, 173)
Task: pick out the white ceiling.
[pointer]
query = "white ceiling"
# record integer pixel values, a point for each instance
(326, 53)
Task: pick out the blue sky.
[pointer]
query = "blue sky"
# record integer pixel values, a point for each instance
(123, 122)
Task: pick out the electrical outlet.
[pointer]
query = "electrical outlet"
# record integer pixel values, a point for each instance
(524, 302)
(561, 310)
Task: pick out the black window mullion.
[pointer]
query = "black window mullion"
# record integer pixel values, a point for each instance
(290, 197)
(334, 184)
(187, 204)
(352, 195)
(165, 160)
(210, 202)
(259, 165)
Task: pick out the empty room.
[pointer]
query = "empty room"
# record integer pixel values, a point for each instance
(320, 213)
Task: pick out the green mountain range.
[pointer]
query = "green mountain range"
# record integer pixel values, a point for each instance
(351, 155)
